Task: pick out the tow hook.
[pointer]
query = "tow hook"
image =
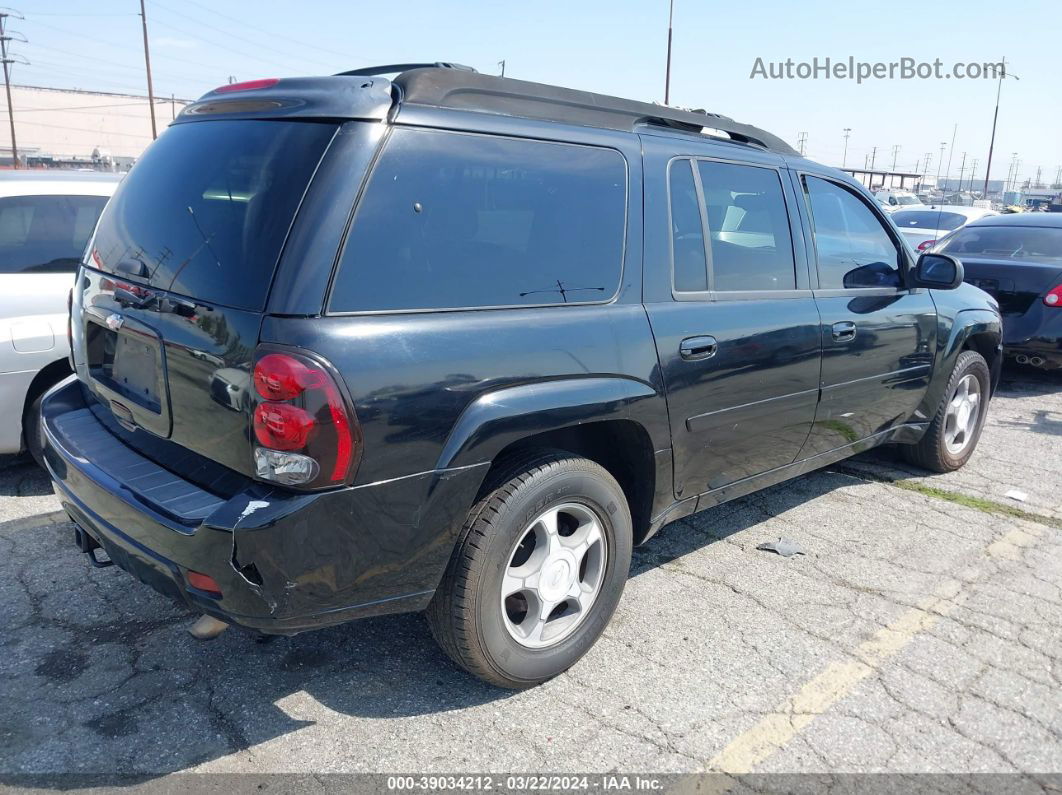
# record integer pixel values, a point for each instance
(89, 545)
(207, 628)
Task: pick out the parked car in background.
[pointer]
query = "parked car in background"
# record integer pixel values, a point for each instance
(46, 218)
(1017, 259)
(923, 227)
(454, 342)
(893, 200)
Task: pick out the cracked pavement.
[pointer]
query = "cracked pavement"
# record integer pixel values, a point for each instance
(916, 635)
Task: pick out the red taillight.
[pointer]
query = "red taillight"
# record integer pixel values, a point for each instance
(282, 426)
(925, 244)
(307, 434)
(203, 582)
(247, 85)
(1054, 297)
(281, 377)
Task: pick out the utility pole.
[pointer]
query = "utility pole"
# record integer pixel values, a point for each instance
(802, 143)
(951, 151)
(4, 39)
(1058, 178)
(962, 171)
(1039, 171)
(1011, 172)
(147, 65)
(895, 154)
(667, 74)
(973, 172)
(873, 158)
(844, 157)
(943, 146)
(501, 63)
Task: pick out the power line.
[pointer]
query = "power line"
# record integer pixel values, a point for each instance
(272, 35)
(228, 34)
(79, 129)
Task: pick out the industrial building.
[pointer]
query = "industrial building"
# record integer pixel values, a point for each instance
(63, 128)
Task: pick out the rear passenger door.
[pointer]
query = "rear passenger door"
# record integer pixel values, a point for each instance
(728, 297)
(878, 336)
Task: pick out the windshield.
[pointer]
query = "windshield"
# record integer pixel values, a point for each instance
(927, 219)
(1007, 242)
(206, 210)
(907, 200)
(46, 234)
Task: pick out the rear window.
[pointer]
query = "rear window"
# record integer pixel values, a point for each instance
(205, 211)
(1006, 242)
(927, 219)
(453, 220)
(46, 234)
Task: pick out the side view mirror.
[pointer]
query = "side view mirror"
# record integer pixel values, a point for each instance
(938, 272)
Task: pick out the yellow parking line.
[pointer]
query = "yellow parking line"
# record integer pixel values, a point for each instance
(839, 678)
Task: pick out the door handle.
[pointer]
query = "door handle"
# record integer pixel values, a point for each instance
(693, 348)
(844, 331)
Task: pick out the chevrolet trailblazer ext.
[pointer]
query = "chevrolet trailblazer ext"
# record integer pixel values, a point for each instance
(347, 346)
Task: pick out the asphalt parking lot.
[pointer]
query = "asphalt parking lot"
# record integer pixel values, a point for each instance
(921, 632)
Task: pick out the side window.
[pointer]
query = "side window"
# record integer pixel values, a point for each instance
(46, 234)
(689, 268)
(450, 220)
(748, 227)
(854, 249)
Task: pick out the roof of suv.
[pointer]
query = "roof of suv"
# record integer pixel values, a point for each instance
(364, 93)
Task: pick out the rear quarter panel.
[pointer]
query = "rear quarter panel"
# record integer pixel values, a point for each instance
(963, 314)
(412, 377)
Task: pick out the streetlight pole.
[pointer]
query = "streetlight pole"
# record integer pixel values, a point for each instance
(667, 74)
(995, 119)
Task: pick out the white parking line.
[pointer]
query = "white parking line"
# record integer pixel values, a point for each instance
(839, 678)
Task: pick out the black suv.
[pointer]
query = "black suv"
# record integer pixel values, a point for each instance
(350, 345)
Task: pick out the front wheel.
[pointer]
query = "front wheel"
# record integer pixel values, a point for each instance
(537, 572)
(956, 427)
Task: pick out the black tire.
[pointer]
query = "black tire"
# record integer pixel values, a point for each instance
(32, 433)
(932, 451)
(466, 615)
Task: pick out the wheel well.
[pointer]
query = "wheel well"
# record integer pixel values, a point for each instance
(621, 446)
(46, 377)
(987, 344)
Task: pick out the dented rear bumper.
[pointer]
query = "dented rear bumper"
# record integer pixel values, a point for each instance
(285, 562)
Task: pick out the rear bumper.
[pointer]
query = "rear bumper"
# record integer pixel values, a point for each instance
(1037, 333)
(285, 562)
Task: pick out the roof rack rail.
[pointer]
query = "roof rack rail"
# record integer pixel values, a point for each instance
(397, 68)
(470, 90)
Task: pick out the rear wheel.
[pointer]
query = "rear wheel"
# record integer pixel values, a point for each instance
(32, 432)
(956, 427)
(537, 573)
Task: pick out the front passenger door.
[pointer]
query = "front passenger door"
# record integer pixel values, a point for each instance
(878, 336)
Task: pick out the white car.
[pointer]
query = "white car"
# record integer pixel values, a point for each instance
(46, 219)
(925, 225)
(893, 200)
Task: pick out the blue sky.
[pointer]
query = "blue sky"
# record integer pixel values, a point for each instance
(612, 47)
